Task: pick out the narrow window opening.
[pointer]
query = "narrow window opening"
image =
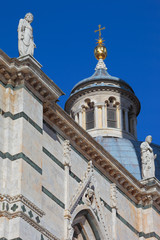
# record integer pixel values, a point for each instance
(123, 117)
(111, 117)
(89, 118)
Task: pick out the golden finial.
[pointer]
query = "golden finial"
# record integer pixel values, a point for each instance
(100, 51)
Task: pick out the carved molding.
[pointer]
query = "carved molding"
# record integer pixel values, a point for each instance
(38, 227)
(67, 153)
(113, 195)
(22, 199)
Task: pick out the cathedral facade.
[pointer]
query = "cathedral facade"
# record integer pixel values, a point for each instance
(78, 173)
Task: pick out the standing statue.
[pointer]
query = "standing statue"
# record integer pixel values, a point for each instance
(147, 157)
(26, 44)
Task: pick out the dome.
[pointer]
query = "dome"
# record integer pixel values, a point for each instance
(127, 152)
(101, 78)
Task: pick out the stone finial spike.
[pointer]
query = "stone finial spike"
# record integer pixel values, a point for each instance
(101, 65)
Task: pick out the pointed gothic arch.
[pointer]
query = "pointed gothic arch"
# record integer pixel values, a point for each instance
(86, 225)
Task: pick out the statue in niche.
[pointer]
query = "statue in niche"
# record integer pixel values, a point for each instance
(26, 44)
(148, 157)
(88, 196)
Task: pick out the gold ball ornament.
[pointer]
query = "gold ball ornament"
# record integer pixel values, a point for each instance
(100, 52)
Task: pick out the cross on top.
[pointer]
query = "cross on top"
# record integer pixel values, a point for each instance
(99, 30)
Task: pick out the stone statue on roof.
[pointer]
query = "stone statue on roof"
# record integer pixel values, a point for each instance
(147, 157)
(26, 44)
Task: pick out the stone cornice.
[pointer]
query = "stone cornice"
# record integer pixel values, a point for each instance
(82, 92)
(102, 160)
(15, 72)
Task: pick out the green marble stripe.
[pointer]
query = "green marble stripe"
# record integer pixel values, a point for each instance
(60, 164)
(19, 87)
(54, 198)
(17, 238)
(149, 235)
(75, 150)
(19, 115)
(74, 176)
(3, 238)
(106, 205)
(24, 157)
(127, 223)
(50, 155)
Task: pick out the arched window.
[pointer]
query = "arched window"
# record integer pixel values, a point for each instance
(89, 106)
(111, 113)
(123, 119)
(85, 227)
(89, 118)
(131, 121)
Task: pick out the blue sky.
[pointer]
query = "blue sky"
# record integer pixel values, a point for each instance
(65, 39)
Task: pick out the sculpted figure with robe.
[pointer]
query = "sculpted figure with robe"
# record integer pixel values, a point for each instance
(26, 44)
(147, 157)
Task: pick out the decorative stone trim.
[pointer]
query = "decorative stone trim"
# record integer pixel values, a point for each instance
(19, 87)
(34, 224)
(21, 156)
(21, 115)
(72, 99)
(19, 206)
(26, 72)
(81, 188)
(17, 200)
(88, 195)
(101, 65)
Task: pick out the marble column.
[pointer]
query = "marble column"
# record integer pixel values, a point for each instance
(67, 165)
(76, 117)
(96, 116)
(121, 118)
(118, 116)
(113, 198)
(84, 118)
(80, 118)
(104, 123)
